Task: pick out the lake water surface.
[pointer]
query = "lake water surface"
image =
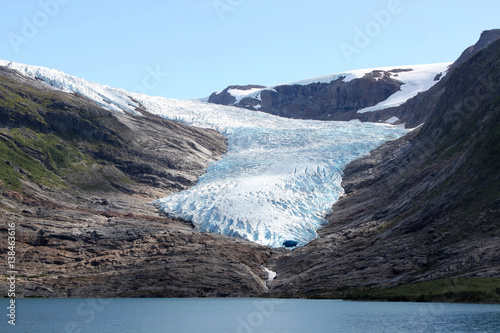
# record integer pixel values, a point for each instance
(245, 315)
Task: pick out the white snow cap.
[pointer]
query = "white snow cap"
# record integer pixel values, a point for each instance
(239, 94)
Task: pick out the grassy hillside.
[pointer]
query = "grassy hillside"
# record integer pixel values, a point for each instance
(52, 138)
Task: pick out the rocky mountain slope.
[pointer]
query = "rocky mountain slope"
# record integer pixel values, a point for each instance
(77, 180)
(424, 207)
(337, 100)
(417, 110)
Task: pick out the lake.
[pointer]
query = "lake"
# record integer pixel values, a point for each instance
(245, 315)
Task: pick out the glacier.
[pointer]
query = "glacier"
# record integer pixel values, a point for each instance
(279, 177)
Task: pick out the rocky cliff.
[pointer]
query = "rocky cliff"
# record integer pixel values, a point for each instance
(424, 207)
(77, 179)
(336, 100)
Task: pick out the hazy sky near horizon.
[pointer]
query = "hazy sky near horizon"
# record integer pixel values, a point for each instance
(190, 48)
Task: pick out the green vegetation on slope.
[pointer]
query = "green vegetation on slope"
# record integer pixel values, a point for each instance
(456, 290)
(51, 138)
(462, 289)
(17, 165)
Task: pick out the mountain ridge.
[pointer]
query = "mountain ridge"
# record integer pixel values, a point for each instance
(300, 99)
(357, 94)
(423, 207)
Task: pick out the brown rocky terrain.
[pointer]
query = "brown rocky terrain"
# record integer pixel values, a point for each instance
(116, 245)
(77, 180)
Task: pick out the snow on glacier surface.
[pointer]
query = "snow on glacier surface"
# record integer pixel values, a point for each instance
(113, 99)
(279, 177)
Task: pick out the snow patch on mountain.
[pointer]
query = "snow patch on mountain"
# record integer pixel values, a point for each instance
(392, 120)
(239, 94)
(270, 274)
(420, 78)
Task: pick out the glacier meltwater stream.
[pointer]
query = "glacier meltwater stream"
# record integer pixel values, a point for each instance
(278, 179)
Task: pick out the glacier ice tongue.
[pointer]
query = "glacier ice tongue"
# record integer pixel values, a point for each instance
(278, 179)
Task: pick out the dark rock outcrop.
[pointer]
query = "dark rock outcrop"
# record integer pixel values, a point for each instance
(337, 100)
(424, 207)
(486, 38)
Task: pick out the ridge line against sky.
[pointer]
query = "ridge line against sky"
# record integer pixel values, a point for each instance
(189, 49)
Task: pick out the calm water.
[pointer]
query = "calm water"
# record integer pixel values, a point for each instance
(246, 315)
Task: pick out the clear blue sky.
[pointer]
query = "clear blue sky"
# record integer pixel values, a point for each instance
(205, 45)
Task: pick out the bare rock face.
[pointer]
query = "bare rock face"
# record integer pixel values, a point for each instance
(420, 208)
(486, 38)
(116, 245)
(336, 100)
(77, 180)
